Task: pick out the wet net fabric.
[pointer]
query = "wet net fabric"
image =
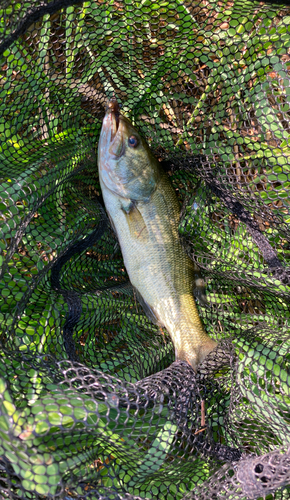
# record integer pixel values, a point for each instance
(93, 404)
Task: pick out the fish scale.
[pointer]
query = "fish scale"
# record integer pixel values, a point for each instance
(144, 211)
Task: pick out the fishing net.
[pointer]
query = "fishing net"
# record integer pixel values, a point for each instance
(93, 403)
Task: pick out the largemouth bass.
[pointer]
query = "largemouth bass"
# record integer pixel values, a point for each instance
(144, 212)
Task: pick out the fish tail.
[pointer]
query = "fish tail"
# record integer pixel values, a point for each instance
(195, 356)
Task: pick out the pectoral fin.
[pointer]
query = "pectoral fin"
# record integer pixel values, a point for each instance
(135, 221)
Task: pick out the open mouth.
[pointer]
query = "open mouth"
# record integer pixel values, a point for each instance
(114, 108)
(113, 130)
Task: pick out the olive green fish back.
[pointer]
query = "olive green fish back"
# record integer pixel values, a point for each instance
(93, 404)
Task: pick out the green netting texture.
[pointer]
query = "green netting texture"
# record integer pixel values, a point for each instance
(94, 403)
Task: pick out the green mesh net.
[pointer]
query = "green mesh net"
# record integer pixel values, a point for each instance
(94, 404)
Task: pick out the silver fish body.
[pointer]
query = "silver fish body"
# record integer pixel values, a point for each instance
(144, 211)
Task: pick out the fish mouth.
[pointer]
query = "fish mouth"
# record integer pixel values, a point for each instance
(112, 119)
(114, 109)
(112, 131)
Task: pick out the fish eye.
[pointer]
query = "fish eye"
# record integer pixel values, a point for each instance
(133, 141)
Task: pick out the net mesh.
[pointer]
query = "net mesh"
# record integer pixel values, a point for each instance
(93, 404)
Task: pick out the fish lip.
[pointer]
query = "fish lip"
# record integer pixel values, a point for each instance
(111, 139)
(116, 143)
(114, 107)
(114, 110)
(112, 129)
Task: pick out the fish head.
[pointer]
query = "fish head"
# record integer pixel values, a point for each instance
(126, 165)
